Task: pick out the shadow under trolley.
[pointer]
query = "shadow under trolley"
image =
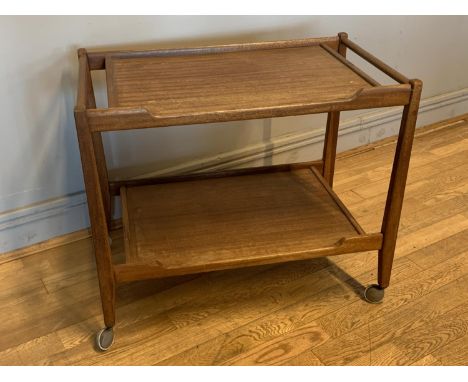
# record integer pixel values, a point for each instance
(177, 225)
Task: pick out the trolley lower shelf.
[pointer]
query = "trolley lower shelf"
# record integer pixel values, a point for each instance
(225, 222)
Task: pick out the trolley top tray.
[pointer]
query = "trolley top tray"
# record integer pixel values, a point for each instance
(233, 82)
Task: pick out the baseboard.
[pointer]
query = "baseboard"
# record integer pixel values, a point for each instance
(40, 222)
(45, 245)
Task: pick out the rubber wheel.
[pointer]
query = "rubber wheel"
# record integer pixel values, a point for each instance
(105, 339)
(374, 294)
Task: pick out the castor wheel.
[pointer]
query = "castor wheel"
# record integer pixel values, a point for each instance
(105, 339)
(374, 294)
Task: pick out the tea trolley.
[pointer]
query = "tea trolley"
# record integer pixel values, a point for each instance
(177, 225)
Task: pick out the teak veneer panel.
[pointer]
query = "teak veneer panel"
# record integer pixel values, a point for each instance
(187, 85)
(196, 223)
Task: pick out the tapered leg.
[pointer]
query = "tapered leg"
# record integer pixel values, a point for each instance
(396, 191)
(107, 290)
(329, 147)
(98, 218)
(331, 134)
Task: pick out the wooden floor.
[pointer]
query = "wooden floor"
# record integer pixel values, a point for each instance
(300, 313)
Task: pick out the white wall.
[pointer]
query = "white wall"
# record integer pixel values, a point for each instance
(40, 173)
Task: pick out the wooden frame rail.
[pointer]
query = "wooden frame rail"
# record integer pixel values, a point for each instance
(115, 186)
(389, 71)
(126, 118)
(350, 65)
(97, 59)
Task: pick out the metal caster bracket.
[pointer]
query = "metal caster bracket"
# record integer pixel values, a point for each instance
(105, 339)
(374, 294)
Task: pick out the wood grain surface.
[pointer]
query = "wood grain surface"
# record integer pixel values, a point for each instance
(241, 80)
(232, 219)
(301, 313)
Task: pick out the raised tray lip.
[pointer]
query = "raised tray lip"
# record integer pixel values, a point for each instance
(97, 57)
(126, 118)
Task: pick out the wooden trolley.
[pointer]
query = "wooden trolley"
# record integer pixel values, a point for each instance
(204, 222)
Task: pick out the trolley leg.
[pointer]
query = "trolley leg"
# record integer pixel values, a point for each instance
(329, 148)
(331, 134)
(99, 228)
(395, 194)
(105, 337)
(99, 203)
(107, 289)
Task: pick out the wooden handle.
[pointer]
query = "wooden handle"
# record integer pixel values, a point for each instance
(389, 71)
